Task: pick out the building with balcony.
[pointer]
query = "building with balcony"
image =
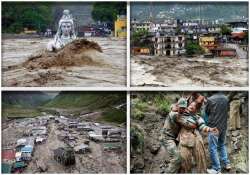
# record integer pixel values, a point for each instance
(169, 45)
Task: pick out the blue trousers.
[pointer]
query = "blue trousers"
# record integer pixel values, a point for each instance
(218, 150)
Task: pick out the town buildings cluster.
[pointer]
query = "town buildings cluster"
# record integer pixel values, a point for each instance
(75, 134)
(171, 36)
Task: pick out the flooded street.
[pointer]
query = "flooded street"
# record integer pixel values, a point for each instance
(188, 72)
(112, 71)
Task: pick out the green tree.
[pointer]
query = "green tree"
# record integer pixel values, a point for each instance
(137, 38)
(108, 11)
(225, 30)
(18, 15)
(193, 48)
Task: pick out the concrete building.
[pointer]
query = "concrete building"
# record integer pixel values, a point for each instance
(169, 45)
(121, 26)
(207, 42)
(141, 26)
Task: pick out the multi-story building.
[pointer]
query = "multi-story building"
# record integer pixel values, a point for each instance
(140, 26)
(121, 27)
(207, 42)
(169, 45)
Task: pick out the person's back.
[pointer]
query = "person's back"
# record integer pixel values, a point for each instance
(217, 110)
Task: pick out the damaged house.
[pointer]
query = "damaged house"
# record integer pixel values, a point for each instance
(169, 45)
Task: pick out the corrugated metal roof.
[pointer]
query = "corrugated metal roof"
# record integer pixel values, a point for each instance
(19, 164)
(27, 148)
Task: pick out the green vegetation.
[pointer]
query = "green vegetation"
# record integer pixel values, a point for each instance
(137, 139)
(137, 38)
(95, 100)
(31, 104)
(18, 112)
(92, 101)
(191, 10)
(225, 30)
(139, 109)
(162, 104)
(24, 99)
(114, 115)
(108, 11)
(159, 103)
(19, 15)
(193, 48)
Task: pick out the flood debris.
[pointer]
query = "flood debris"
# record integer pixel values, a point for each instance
(76, 53)
(195, 72)
(64, 156)
(68, 142)
(106, 68)
(82, 148)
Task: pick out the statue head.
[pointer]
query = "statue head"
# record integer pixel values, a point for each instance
(66, 28)
(66, 25)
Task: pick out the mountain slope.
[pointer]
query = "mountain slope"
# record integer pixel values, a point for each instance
(111, 105)
(228, 11)
(24, 99)
(91, 100)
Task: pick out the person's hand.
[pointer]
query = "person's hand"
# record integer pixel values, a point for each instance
(214, 130)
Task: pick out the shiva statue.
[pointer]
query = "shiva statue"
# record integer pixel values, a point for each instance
(65, 33)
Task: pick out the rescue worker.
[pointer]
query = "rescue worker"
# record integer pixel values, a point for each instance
(175, 121)
(169, 135)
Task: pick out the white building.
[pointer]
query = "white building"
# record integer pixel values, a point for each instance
(169, 45)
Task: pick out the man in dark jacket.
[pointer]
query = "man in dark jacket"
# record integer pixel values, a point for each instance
(217, 111)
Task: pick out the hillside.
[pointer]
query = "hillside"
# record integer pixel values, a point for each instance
(226, 11)
(91, 100)
(22, 104)
(24, 99)
(108, 106)
(80, 103)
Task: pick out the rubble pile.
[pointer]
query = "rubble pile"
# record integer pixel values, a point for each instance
(34, 132)
(70, 142)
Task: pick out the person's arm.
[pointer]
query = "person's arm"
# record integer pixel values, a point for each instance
(204, 128)
(187, 121)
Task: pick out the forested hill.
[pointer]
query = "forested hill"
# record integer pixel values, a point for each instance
(24, 99)
(112, 105)
(92, 100)
(190, 10)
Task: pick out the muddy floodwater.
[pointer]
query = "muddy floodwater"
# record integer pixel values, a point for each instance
(112, 71)
(188, 72)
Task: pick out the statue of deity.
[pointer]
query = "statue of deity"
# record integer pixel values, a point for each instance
(65, 33)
